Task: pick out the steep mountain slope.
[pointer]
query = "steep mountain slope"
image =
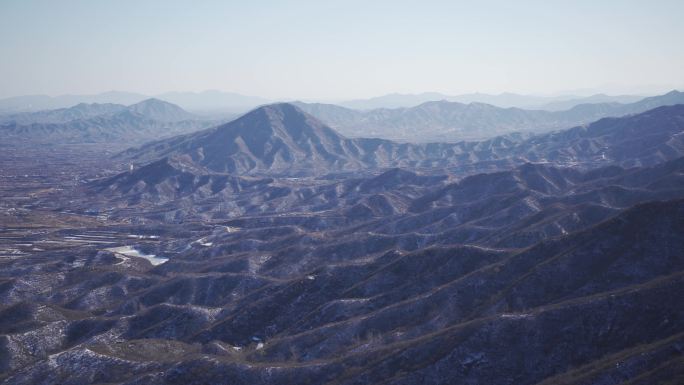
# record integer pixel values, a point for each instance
(443, 120)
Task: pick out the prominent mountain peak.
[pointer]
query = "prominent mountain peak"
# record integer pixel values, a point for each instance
(278, 138)
(280, 111)
(283, 120)
(160, 110)
(282, 139)
(281, 106)
(277, 112)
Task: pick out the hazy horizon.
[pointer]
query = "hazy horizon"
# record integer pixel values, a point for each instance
(626, 90)
(341, 50)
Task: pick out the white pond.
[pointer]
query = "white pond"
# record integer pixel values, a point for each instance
(130, 251)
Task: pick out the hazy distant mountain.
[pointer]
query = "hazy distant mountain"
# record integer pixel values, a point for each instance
(109, 123)
(124, 128)
(594, 99)
(44, 102)
(450, 121)
(160, 110)
(437, 121)
(216, 102)
(668, 99)
(212, 101)
(206, 101)
(150, 108)
(504, 100)
(63, 115)
(392, 101)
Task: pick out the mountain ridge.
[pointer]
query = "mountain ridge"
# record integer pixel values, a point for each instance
(259, 143)
(102, 123)
(503, 100)
(449, 121)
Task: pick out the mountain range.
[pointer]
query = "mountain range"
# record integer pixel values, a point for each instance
(435, 121)
(32, 103)
(452, 121)
(503, 100)
(283, 139)
(274, 250)
(101, 123)
(205, 101)
(216, 102)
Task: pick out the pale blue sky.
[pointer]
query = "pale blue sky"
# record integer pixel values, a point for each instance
(339, 49)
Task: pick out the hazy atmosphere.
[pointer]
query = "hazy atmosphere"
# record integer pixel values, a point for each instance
(341, 49)
(341, 192)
